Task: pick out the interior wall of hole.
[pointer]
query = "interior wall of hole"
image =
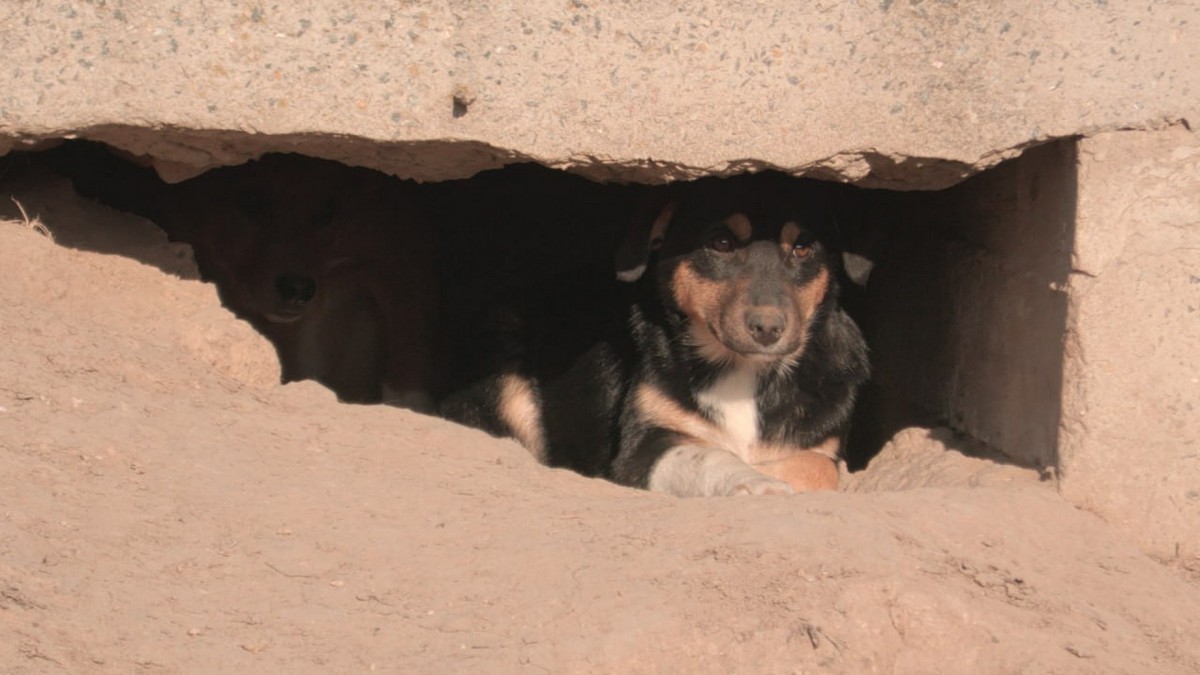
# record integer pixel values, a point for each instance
(964, 310)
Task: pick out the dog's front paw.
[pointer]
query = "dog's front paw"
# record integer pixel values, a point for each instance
(761, 485)
(698, 471)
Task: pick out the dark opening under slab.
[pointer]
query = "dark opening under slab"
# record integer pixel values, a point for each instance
(963, 310)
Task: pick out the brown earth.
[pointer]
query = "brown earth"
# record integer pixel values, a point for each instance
(166, 507)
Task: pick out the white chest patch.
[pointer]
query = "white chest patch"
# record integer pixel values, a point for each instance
(730, 403)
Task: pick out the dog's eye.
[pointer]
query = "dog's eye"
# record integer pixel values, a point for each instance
(800, 251)
(721, 243)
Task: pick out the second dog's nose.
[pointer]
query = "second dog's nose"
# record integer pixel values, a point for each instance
(294, 289)
(765, 325)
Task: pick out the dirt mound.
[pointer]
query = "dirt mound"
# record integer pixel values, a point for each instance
(164, 507)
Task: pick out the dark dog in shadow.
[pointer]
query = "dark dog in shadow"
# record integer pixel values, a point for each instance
(333, 264)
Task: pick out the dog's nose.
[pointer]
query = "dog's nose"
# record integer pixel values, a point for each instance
(765, 325)
(294, 289)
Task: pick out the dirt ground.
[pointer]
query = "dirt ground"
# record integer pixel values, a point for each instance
(166, 507)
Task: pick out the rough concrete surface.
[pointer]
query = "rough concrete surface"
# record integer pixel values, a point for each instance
(1130, 443)
(166, 509)
(902, 93)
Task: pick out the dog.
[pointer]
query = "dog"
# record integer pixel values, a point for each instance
(332, 264)
(715, 363)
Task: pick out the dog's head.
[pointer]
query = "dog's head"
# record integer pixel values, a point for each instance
(266, 252)
(273, 233)
(740, 265)
(269, 261)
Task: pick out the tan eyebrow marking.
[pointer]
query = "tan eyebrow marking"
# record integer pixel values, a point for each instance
(740, 226)
(791, 232)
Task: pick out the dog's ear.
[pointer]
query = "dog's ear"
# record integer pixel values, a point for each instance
(646, 232)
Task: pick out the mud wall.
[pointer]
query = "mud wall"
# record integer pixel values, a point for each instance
(906, 95)
(1130, 444)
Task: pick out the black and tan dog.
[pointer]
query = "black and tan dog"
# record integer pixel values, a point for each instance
(717, 364)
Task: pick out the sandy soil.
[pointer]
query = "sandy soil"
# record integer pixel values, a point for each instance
(165, 507)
